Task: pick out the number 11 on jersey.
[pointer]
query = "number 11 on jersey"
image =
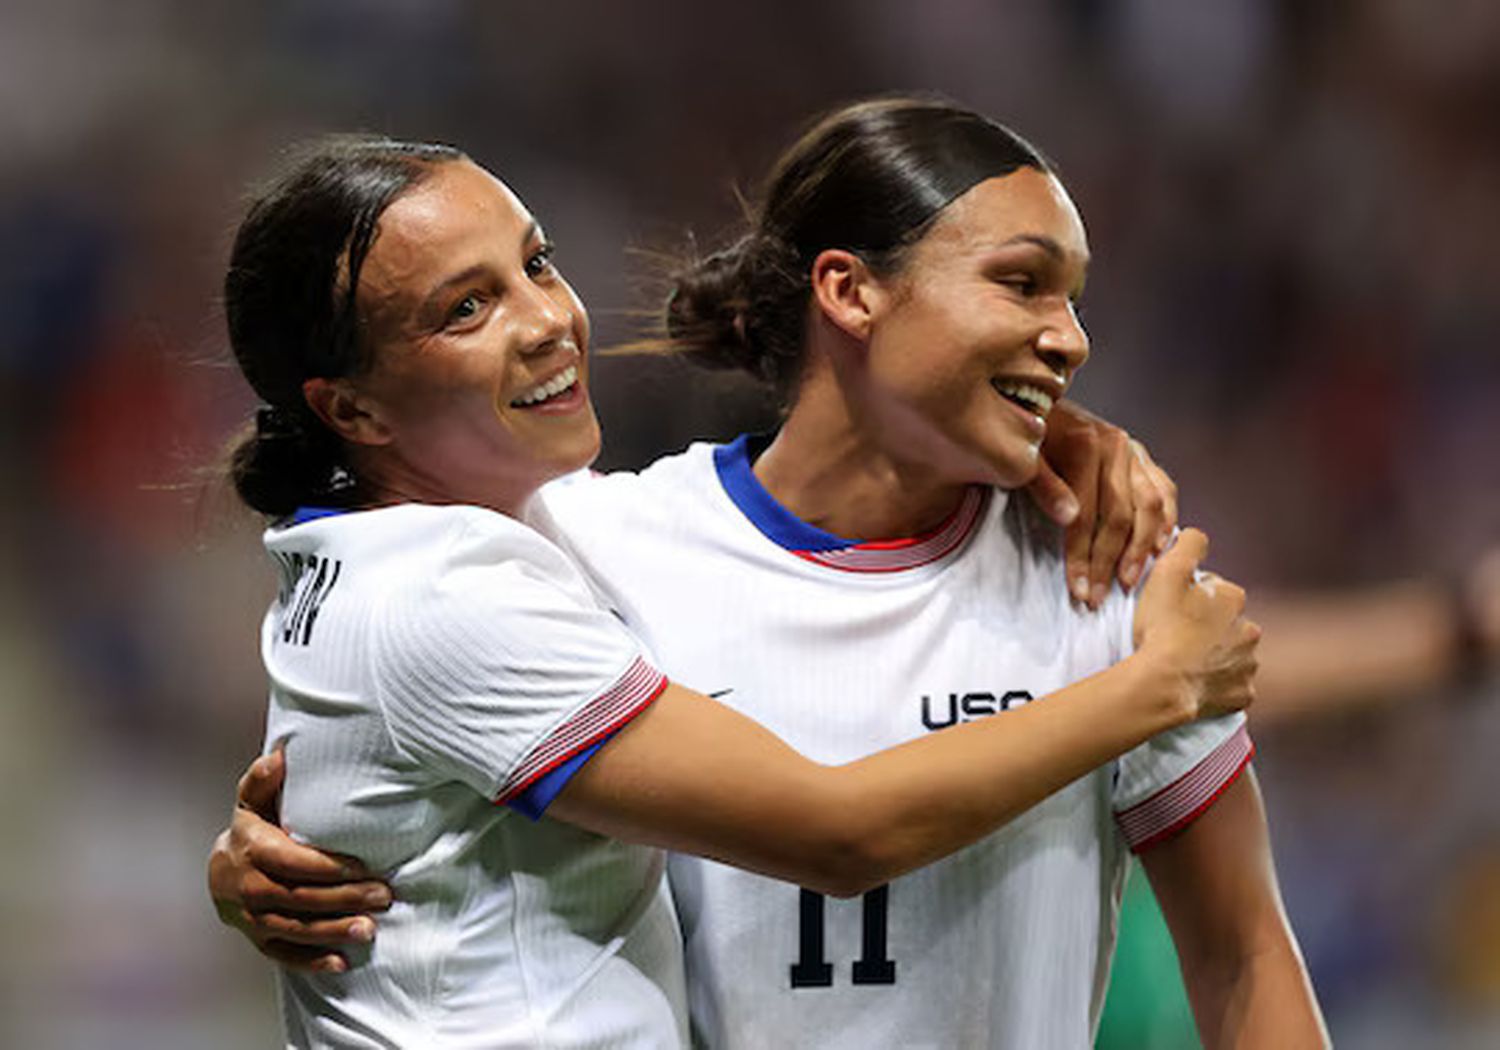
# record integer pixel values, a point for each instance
(812, 969)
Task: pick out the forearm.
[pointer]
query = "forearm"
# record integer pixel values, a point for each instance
(933, 795)
(1261, 1000)
(1332, 650)
(694, 776)
(1216, 885)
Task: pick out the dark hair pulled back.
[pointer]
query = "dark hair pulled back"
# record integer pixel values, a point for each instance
(870, 178)
(289, 297)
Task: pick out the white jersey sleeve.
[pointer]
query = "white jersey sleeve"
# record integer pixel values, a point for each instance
(500, 666)
(1166, 783)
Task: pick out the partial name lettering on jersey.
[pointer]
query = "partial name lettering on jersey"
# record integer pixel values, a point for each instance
(306, 581)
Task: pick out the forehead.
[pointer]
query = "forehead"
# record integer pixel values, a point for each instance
(457, 216)
(1026, 204)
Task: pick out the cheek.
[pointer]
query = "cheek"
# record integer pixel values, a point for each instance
(434, 398)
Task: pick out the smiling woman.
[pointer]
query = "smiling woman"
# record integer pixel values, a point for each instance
(470, 384)
(433, 650)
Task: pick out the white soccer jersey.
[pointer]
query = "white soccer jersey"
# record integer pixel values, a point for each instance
(425, 663)
(845, 649)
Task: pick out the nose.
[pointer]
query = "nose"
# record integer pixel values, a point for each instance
(546, 320)
(1062, 342)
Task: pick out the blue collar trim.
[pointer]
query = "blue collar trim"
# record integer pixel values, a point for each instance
(732, 461)
(302, 515)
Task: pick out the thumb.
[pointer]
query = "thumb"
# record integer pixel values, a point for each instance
(260, 788)
(1052, 494)
(1182, 559)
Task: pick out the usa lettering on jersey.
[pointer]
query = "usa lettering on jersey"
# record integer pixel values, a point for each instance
(965, 707)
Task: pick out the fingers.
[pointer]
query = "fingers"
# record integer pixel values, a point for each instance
(268, 848)
(1227, 699)
(1182, 559)
(304, 957)
(1249, 635)
(316, 933)
(259, 893)
(1078, 538)
(1232, 686)
(1154, 500)
(1070, 461)
(1052, 494)
(1155, 492)
(260, 788)
(1116, 513)
(1227, 596)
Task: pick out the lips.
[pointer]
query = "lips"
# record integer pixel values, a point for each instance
(540, 394)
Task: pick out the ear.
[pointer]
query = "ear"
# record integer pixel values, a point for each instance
(846, 292)
(346, 411)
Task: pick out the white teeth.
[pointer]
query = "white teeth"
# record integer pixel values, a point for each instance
(551, 388)
(1037, 399)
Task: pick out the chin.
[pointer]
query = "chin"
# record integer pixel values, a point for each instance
(1011, 472)
(583, 452)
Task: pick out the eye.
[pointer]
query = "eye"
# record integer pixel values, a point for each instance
(1022, 283)
(540, 261)
(466, 309)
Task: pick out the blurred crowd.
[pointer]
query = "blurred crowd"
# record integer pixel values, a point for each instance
(1292, 209)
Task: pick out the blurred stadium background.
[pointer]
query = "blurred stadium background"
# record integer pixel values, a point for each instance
(1293, 210)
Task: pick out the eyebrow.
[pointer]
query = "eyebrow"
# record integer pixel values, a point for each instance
(1042, 241)
(1054, 251)
(533, 230)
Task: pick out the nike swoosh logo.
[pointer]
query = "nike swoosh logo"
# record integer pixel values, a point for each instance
(721, 692)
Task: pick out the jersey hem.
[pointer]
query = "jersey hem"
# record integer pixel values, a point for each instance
(628, 696)
(1174, 807)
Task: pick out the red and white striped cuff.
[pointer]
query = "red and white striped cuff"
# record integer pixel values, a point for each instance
(1177, 805)
(630, 694)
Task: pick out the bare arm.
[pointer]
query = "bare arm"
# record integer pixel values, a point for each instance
(1328, 651)
(696, 777)
(692, 775)
(1217, 888)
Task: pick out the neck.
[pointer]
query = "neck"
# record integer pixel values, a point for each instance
(827, 471)
(393, 480)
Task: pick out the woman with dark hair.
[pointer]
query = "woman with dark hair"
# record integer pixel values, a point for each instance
(463, 658)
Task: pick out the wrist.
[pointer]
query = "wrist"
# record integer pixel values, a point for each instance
(1162, 692)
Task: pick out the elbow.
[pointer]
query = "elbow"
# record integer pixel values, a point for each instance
(845, 884)
(852, 839)
(850, 860)
(841, 884)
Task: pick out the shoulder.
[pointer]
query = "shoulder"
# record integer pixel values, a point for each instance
(1035, 543)
(489, 587)
(591, 488)
(1036, 538)
(426, 553)
(588, 506)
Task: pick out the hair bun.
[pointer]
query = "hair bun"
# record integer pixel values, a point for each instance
(716, 310)
(286, 463)
(706, 310)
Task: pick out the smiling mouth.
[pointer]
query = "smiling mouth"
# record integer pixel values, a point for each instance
(557, 386)
(1030, 398)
